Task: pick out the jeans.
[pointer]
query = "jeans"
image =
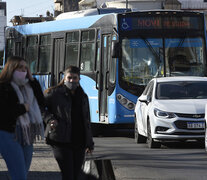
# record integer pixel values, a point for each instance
(17, 157)
(69, 160)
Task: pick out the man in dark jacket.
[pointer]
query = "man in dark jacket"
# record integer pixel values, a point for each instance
(68, 128)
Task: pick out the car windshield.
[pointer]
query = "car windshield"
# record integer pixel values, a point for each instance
(182, 90)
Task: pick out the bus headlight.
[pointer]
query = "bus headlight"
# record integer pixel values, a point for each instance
(125, 102)
(131, 105)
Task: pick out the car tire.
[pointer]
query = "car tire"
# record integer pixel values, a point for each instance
(138, 138)
(150, 141)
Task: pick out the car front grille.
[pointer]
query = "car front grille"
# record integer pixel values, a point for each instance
(194, 116)
(183, 125)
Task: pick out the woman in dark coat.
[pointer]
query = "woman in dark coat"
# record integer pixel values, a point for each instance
(20, 100)
(68, 128)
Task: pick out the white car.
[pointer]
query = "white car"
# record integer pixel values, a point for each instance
(171, 108)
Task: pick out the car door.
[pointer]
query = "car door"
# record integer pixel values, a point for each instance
(140, 108)
(146, 106)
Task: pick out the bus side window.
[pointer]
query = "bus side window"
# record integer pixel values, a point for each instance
(45, 63)
(112, 70)
(72, 45)
(10, 47)
(98, 51)
(87, 51)
(32, 52)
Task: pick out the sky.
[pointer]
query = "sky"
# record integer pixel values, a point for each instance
(35, 8)
(28, 8)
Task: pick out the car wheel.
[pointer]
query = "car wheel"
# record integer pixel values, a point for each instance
(150, 141)
(138, 137)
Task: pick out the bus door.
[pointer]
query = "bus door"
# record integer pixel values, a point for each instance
(59, 49)
(104, 72)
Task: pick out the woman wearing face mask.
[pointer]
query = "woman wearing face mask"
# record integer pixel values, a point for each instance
(20, 122)
(68, 128)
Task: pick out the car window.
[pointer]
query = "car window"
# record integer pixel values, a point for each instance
(182, 90)
(150, 90)
(146, 89)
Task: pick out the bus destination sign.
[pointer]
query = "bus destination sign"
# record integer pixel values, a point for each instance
(133, 23)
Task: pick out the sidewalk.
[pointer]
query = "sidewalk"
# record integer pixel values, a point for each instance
(43, 167)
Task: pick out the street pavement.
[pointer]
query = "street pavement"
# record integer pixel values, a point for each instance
(43, 167)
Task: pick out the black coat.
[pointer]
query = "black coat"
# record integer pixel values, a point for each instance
(10, 108)
(58, 103)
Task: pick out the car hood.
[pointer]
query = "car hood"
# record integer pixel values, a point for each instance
(189, 106)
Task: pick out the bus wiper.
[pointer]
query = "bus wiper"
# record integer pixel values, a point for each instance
(176, 49)
(152, 50)
(180, 43)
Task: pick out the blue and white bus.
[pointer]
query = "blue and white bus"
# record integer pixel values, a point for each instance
(118, 54)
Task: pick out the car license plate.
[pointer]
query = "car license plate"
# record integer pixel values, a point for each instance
(193, 125)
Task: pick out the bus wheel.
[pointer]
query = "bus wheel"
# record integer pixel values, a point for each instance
(138, 138)
(150, 141)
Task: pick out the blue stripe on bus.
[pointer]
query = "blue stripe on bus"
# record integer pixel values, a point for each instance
(140, 43)
(59, 25)
(187, 42)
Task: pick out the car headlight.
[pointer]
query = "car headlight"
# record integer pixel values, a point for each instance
(163, 114)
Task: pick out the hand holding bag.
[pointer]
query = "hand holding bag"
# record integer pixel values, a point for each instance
(89, 170)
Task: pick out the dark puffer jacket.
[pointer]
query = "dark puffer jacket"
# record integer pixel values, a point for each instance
(58, 107)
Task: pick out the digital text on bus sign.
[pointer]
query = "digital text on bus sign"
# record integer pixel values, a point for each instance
(132, 23)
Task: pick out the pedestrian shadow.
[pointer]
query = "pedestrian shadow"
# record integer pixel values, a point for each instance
(184, 145)
(128, 133)
(35, 175)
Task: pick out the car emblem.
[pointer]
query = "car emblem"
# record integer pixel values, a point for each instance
(197, 116)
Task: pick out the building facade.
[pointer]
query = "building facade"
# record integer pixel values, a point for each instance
(2, 24)
(132, 4)
(195, 5)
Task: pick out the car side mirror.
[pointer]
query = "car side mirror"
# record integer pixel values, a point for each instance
(116, 49)
(144, 98)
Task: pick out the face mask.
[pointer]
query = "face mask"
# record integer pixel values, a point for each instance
(19, 77)
(71, 85)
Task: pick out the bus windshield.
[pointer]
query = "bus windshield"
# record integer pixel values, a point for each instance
(143, 59)
(185, 56)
